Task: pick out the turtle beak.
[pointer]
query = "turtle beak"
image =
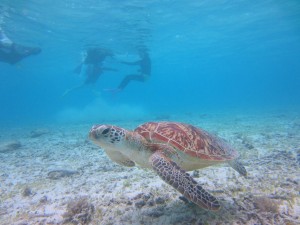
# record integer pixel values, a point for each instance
(99, 131)
(93, 132)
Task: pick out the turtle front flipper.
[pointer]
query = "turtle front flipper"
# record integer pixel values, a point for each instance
(171, 173)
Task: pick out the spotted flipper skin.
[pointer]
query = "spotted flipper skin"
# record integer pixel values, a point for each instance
(172, 174)
(235, 164)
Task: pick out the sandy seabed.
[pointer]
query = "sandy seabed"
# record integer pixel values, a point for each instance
(52, 174)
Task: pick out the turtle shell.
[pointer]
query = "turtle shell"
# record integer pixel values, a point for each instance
(188, 139)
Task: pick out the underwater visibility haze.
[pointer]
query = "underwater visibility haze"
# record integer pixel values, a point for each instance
(231, 68)
(206, 55)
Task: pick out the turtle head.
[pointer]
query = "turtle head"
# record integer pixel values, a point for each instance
(107, 135)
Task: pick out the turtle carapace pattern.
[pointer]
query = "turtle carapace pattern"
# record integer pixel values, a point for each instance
(170, 149)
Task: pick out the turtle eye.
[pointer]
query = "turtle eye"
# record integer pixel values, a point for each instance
(105, 131)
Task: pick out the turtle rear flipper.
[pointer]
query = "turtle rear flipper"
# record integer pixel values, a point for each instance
(237, 166)
(171, 173)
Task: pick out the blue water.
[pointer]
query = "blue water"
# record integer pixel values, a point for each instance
(206, 56)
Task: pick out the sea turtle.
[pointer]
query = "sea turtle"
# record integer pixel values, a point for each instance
(170, 149)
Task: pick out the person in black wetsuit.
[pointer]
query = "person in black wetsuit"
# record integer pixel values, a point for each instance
(93, 66)
(11, 52)
(144, 71)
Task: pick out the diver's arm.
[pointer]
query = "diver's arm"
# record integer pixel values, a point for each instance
(4, 40)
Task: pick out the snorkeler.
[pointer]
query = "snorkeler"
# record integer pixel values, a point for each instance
(92, 62)
(11, 52)
(144, 71)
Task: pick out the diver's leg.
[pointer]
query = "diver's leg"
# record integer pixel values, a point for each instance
(129, 78)
(78, 69)
(72, 89)
(126, 81)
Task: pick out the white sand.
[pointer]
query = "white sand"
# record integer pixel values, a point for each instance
(121, 195)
